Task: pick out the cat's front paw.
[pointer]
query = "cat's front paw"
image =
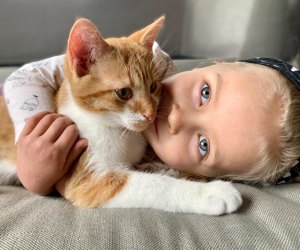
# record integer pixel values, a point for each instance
(221, 198)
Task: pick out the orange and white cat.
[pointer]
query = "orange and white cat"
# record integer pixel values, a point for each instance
(111, 91)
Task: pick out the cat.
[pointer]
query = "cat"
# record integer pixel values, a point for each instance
(111, 91)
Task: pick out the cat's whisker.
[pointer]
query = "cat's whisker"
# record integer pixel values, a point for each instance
(160, 71)
(165, 68)
(139, 58)
(143, 54)
(160, 108)
(153, 60)
(161, 59)
(124, 133)
(159, 116)
(161, 113)
(157, 63)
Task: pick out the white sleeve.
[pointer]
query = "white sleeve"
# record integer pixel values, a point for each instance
(165, 65)
(31, 89)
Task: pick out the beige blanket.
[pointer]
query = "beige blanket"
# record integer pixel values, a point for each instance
(268, 219)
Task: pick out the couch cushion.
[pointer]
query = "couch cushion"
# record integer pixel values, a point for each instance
(268, 219)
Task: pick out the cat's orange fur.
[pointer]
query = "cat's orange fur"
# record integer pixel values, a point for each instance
(125, 62)
(7, 149)
(85, 190)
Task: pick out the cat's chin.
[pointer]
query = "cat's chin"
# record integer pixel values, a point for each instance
(138, 129)
(143, 127)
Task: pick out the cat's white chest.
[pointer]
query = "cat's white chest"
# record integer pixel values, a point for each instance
(110, 146)
(114, 147)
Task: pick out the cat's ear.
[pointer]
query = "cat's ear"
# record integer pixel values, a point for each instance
(147, 35)
(85, 45)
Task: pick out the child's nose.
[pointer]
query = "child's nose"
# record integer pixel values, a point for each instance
(175, 119)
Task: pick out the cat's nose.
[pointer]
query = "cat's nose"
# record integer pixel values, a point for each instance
(149, 116)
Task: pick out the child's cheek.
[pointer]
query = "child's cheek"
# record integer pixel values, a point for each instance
(177, 159)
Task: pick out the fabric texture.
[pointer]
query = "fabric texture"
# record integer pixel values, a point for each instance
(268, 219)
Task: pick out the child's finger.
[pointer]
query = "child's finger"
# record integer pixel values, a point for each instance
(77, 149)
(31, 123)
(57, 127)
(67, 138)
(44, 124)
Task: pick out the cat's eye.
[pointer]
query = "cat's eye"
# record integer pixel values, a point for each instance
(124, 93)
(153, 87)
(205, 94)
(203, 146)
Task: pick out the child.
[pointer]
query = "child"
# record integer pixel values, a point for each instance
(231, 120)
(237, 121)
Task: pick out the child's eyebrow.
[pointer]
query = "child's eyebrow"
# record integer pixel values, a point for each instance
(217, 88)
(219, 79)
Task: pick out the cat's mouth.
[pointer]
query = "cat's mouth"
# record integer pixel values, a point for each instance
(139, 126)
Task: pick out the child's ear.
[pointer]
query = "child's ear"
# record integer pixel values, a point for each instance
(147, 35)
(85, 45)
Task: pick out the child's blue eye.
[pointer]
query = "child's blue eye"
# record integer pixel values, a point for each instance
(203, 146)
(205, 94)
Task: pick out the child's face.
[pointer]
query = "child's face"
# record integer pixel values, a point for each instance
(210, 120)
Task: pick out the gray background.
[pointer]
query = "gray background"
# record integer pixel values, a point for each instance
(35, 29)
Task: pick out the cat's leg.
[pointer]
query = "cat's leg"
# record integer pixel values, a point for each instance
(8, 173)
(177, 195)
(143, 190)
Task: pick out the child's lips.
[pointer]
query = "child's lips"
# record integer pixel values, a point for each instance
(156, 126)
(162, 96)
(158, 110)
(161, 116)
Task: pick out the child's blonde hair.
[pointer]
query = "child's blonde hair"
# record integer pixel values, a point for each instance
(274, 160)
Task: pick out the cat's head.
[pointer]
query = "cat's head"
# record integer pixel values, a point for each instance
(116, 75)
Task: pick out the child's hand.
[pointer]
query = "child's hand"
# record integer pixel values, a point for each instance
(47, 147)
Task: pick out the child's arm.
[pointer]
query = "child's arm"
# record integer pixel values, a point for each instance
(47, 147)
(49, 143)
